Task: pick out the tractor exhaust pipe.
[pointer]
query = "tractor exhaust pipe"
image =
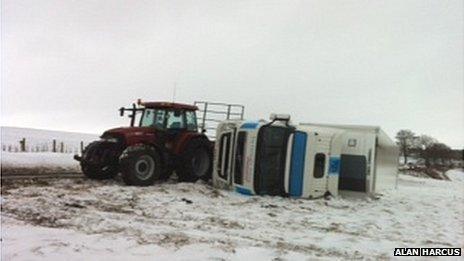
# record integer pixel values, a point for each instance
(78, 158)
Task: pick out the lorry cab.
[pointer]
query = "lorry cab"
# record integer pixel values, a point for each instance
(273, 158)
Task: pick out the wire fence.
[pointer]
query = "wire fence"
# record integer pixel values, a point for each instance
(53, 145)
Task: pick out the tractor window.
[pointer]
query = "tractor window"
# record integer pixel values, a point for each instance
(175, 120)
(147, 118)
(153, 118)
(159, 118)
(191, 120)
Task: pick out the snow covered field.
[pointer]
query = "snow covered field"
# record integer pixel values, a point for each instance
(13, 162)
(42, 140)
(40, 143)
(90, 220)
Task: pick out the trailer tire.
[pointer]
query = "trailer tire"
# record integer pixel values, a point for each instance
(97, 172)
(141, 166)
(196, 161)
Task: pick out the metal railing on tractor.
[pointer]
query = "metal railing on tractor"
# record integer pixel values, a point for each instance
(210, 114)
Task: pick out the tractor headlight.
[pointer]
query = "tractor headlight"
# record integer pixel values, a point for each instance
(109, 139)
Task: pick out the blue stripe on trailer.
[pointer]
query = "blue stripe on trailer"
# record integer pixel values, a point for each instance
(297, 164)
(334, 166)
(249, 125)
(243, 191)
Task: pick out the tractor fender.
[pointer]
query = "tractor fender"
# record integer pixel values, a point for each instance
(185, 140)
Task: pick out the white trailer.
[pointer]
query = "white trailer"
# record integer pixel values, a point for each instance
(368, 157)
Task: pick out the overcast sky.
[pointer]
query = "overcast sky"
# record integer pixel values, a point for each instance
(68, 65)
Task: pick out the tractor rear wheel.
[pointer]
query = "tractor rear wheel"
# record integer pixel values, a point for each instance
(96, 171)
(141, 166)
(196, 161)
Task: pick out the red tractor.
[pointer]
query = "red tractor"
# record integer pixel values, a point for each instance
(163, 137)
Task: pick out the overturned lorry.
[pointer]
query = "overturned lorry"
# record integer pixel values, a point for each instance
(307, 160)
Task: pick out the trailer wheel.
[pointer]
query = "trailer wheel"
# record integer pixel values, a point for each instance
(196, 161)
(93, 171)
(141, 166)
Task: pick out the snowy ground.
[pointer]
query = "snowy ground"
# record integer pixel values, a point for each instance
(456, 175)
(82, 219)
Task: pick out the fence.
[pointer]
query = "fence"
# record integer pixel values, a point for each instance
(53, 145)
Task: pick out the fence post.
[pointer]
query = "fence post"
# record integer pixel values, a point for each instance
(61, 147)
(22, 144)
(204, 117)
(228, 111)
(54, 146)
(82, 146)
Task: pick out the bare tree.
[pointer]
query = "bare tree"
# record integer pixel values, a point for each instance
(436, 151)
(425, 141)
(406, 141)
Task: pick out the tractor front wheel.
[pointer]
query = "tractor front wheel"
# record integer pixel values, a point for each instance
(96, 171)
(196, 161)
(141, 166)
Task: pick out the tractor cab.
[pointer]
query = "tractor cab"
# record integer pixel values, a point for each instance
(163, 115)
(169, 119)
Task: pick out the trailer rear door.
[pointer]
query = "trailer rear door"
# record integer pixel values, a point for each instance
(354, 163)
